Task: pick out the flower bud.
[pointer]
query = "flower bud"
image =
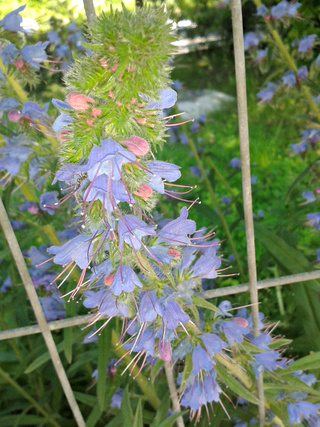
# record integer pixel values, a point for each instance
(136, 145)
(109, 279)
(174, 253)
(18, 63)
(63, 134)
(79, 101)
(14, 116)
(144, 191)
(240, 321)
(164, 350)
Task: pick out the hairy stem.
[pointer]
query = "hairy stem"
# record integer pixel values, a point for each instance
(173, 392)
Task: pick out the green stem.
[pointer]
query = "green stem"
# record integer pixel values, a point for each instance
(23, 393)
(292, 65)
(142, 382)
(216, 205)
(221, 178)
(14, 84)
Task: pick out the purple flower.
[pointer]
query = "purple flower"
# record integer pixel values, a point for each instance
(34, 54)
(107, 304)
(13, 155)
(301, 410)
(173, 314)
(200, 360)
(12, 20)
(235, 163)
(301, 147)
(250, 40)
(125, 280)
(195, 170)
(262, 341)
(116, 399)
(183, 138)
(146, 342)
(292, 8)
(53, 37)
(32, 111)
(224, 307)
(309, 196)
(177, 230)
(161, 253)
(289, 78)
(8, 104)
(306, 43)
(226, 200)
(279, 10)
(48, 201)
(8, 53)
(268, 359)
(132, 229)
(267, 93)
(206, 266)
(262, 10)
(6, 285)
(213, 343)
(233, 332)
(79, 249)
(195, 126)
(168, 98)
(107, 159)
(302, 72)
(253, 179)
(262, 54)
(314, 220)
(53, 306)
(159, 171)
(149, 307)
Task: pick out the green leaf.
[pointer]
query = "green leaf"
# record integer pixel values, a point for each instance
(155, 369)
(283, 342)
(126, 408)
(94, 416)
(307, 295)
(24, 420)
(162, 412)
(200, 302)
(67, 335)
(170, 420)
(186, 371)
(308, 362)
(87, 399)
(235, 386)
(138, 419)
(103, 357)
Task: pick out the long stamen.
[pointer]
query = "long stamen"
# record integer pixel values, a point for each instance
(47, 260)
(182, 200)
(60, 284)
(142, 365)
(178, 124)
(60, 274)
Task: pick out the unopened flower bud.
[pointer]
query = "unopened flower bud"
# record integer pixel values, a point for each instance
(240, 321)
(14, 116)
(79, 101)
(164, 350)
(109, 279)
(136, 145)
(19, 63)
(144, 191)
(174, 253)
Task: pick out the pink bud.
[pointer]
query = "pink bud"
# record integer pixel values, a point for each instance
(240, 321)
(317, 190)
(119, 103)
(33, 210)
(141, 104)
(103, 62)
(141, 121)
(144, 191)
(96, 113)
(174, 253)
(90, 122)
(133, 100)
(114, 67)
(109, 279)
(136, 145)
(14, 116)
(79, 101)
(18, 63)
(164, 350)
(110, 93)
(63, 134)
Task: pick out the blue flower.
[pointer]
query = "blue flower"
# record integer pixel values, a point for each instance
(251, 40)
(32, 111)
(48, 202)
(125, 280)
(301, 147)
(12, 20)
(14, 154)
(306, 43)
(213, 343)
(267, 93)
(301, 410)
(177, 230)
(309, 196)
(116, 399)
(262, 54)
(53, 306)
(53, 37)
(289, 78)
(35, 54)
(8, 104)
(8, 53)
(195, 126)
(302, 72)
(131, 230)
(168, 98)
(235, 163)
(206, 266)
(262, 10)
(6, 285)
(79, 249)
(173, 314)
(149, 307)
(268, 359)
(183, 138)
(279, 10)
(233, 332)
(159, 171)
(314, 220)
(200, 360)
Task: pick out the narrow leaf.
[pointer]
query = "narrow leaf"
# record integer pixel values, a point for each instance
(200, 302)
(162, 412)
(126, 408)
(308, 362)
(170, 420)
(138, 419)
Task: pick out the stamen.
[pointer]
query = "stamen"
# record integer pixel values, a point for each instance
(47, 260)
